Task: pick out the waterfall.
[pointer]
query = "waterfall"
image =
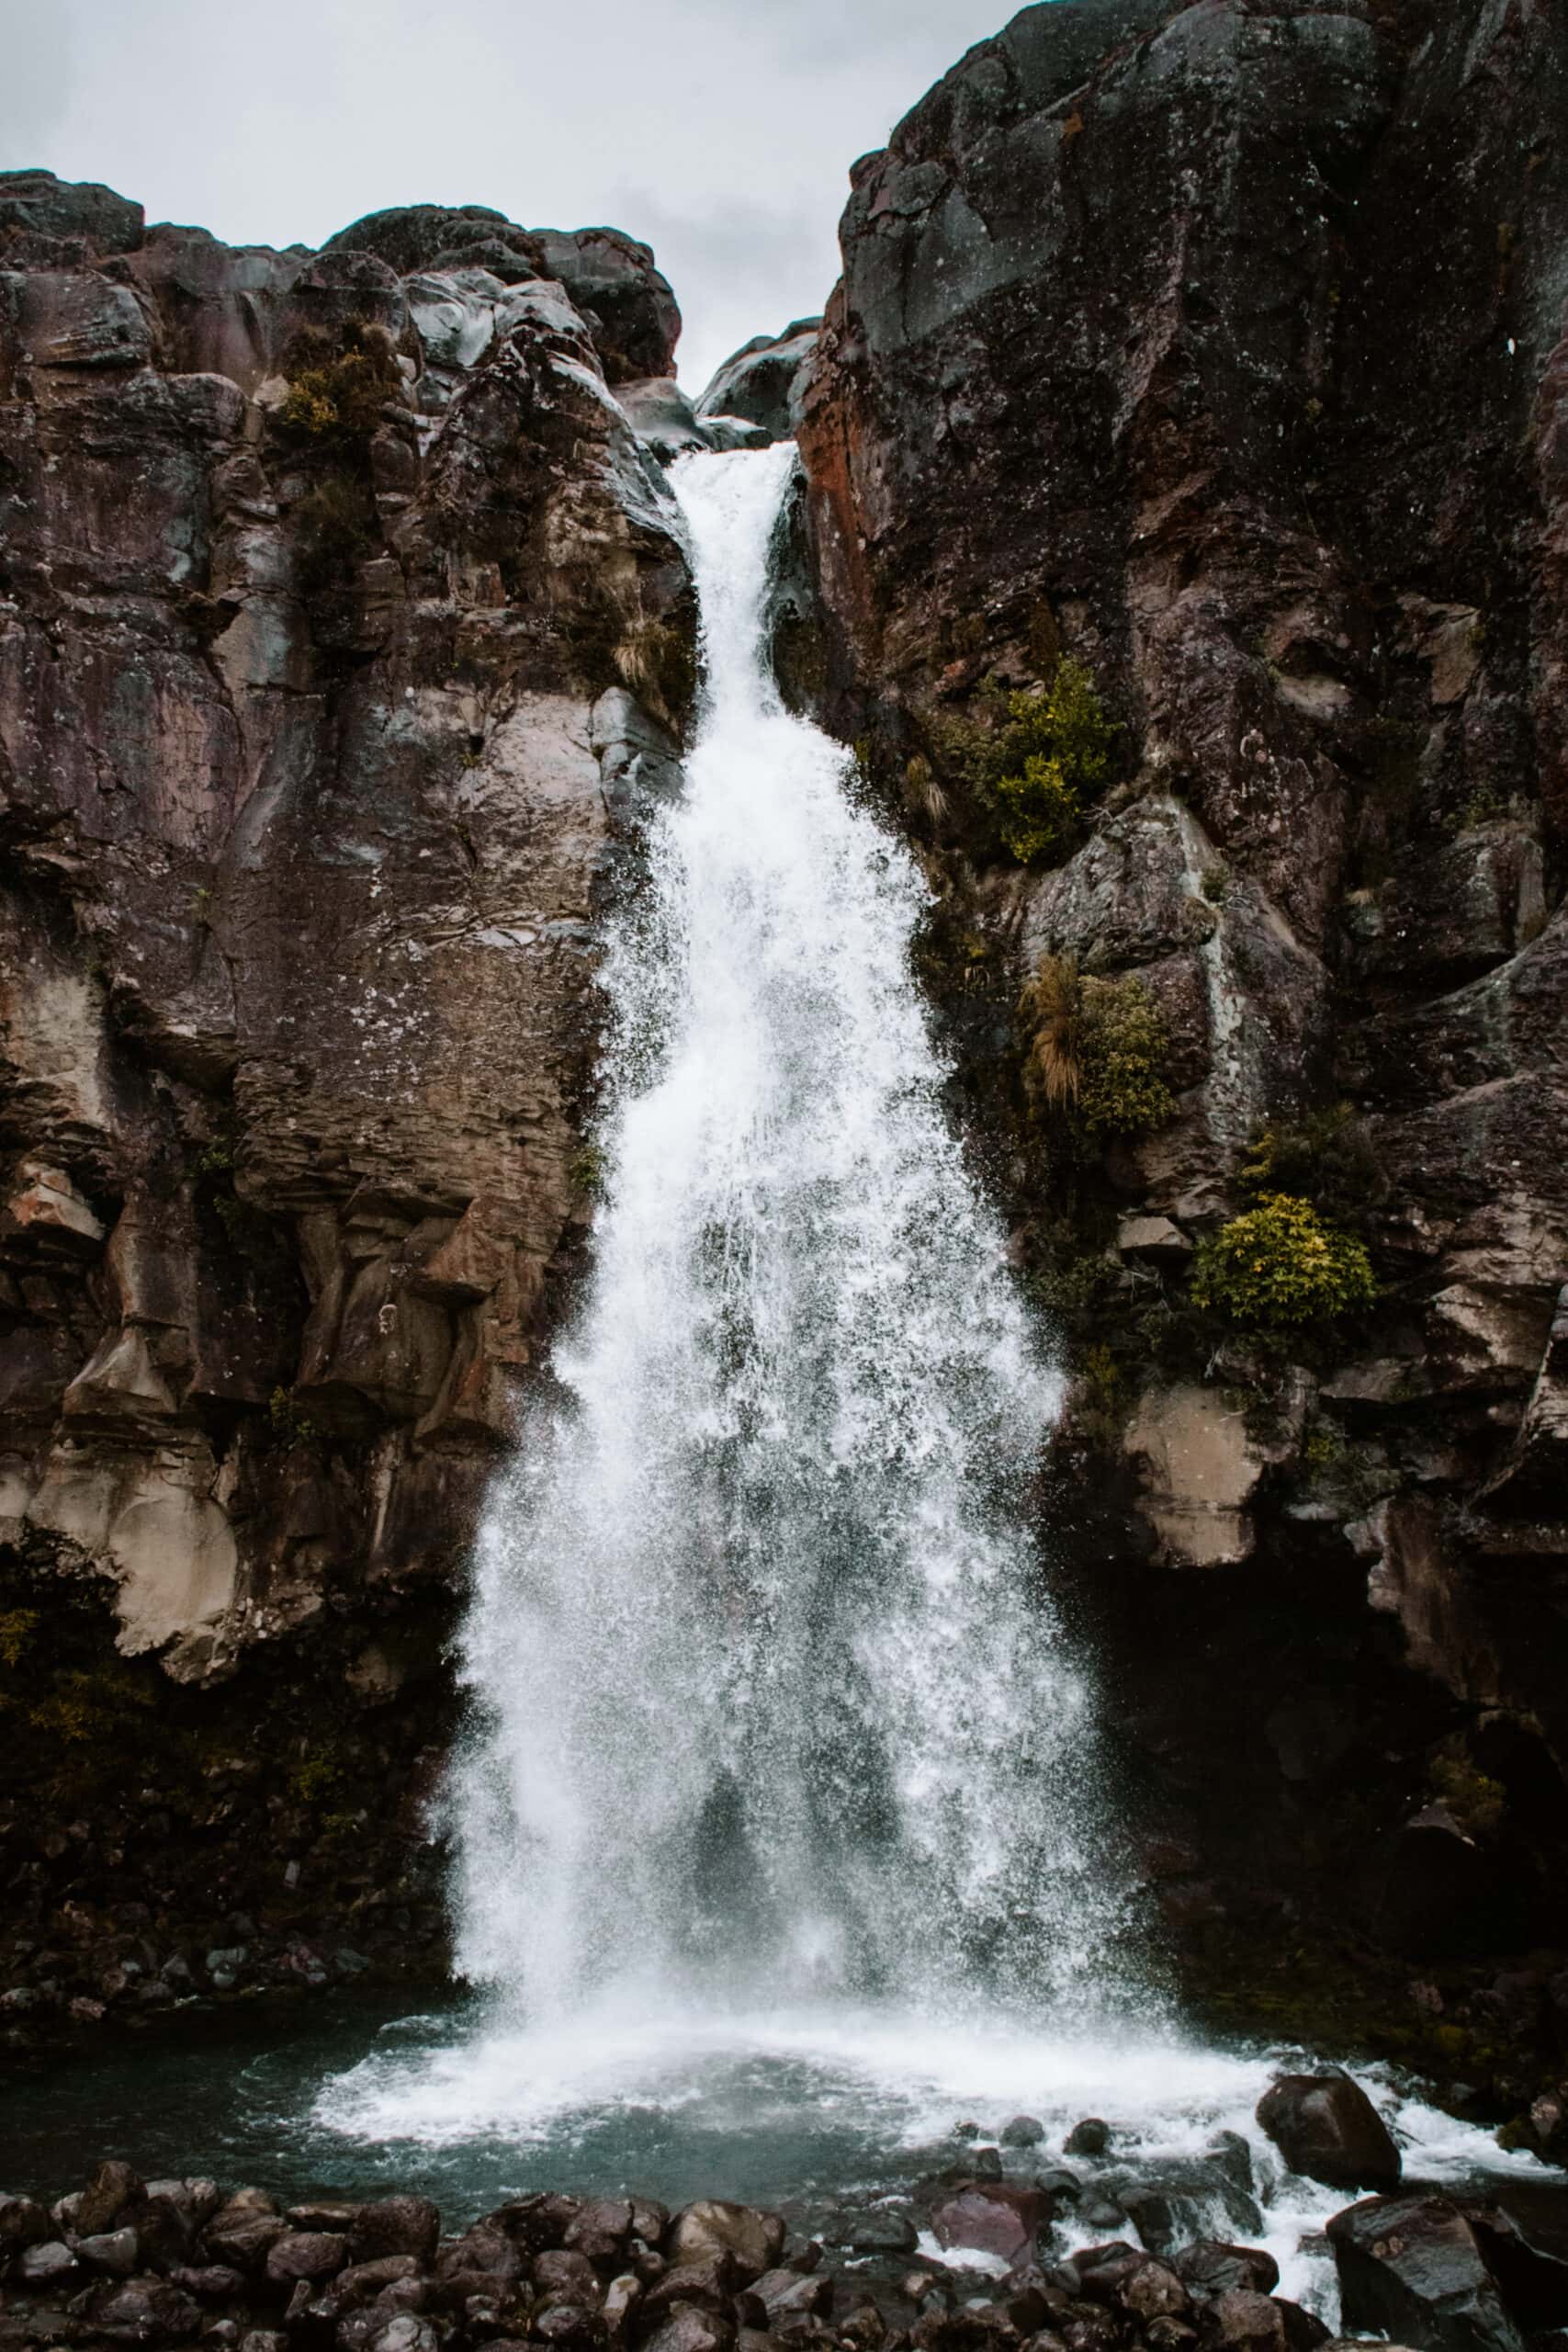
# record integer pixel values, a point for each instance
(768, 1701)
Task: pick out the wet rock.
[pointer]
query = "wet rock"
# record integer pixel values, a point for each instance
(692, 2331)
(761, 381)
(537, 2223)
(143, 2311)
(562, 2271)
(878, 2230)
(112, 2188)
(995, 2218)
(1327, 2127)
(622, 2297)
(786, 2294)
(708, 2285)
(1212, 2268)
(1230, 2152)
(1089, 2138)
(396, 2225)
(48, 2263)
(23, 2222)
(310, 2255)
(602, 2230)
(1457, 2278)
(573, 2326)
(211, 2282)
(711, 2226)
(116, 2251)
(1241, 2320)
(1022, 2132)
(484, 2251)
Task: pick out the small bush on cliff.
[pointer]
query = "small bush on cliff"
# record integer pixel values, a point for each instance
(1098, 1049)
(334, 528)
(1038, 761)
(1279, 1265)
(339, 396)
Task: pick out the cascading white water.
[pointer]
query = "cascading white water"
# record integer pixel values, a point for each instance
(767, 1699)
(779, 1830)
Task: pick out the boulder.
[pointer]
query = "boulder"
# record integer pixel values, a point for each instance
(396, 2225)
(311, 2255)
(760, 383)
(1088, 2138)
(1022, 2132)
(1416, 2268)
(115, 2251)
(112, 2188)
(23, 2222)
(1212, 2268)
(710, 2226)
(143, 2311)
(49, 2262)
(1327, 2127)
(880, 2231)
(992, 2217)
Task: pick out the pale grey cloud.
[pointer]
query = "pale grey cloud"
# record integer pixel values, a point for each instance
(719, 131)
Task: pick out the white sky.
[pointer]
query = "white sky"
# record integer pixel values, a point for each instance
(720, 131)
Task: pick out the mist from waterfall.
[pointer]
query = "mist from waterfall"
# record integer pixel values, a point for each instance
(768, 1702)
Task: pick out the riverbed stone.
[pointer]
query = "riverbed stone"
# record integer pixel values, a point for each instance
(1091, 2137)
(1212, 2266)
(992, 2217)
(309, 2254)
(115, 2251)
(1413, 2267)
(1327, 2127)
(396, 2225)
(112, 2188)
(23, 2222)
(711, 2226)
(48, 2263)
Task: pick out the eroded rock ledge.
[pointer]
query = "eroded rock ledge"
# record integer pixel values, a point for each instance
(343, 621)
(1222, 347)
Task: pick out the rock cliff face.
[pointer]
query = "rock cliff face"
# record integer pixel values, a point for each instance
(326, 578)
(1225, 348)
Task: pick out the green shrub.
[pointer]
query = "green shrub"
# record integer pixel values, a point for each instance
(1323, 1158)
(339, 396)
(17, 1629)
(1279, 1265)
(1477, 1802)
(335, 529)
(291, 1424)
(1038, 764)
(1097, 1048)
(1125, 1045)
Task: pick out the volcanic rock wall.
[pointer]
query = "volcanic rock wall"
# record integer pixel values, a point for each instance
(1225, 348)
(324, 576)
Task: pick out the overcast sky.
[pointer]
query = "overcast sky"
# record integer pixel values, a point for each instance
(719, 131)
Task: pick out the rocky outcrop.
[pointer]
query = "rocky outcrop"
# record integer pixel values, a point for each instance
(763, 382)
(345, 620)
(1138, 357)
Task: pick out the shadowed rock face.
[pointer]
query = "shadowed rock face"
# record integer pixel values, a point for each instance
(1223, 346)
(304, 827)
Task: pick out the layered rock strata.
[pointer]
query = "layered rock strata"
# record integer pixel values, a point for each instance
(344, 618)
(1222, 347)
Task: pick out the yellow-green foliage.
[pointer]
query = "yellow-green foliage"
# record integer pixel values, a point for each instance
(1476, 1802)
(17, 1629)
(1123, 1089)
(340, 396)
(1280, 1265)
(94, 1708)
(314, 1777)
(1049, 762)
(1041, 761)
(292, 1425)
(1097, 1047)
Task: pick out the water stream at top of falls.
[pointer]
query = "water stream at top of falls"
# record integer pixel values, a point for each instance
(768, 1701)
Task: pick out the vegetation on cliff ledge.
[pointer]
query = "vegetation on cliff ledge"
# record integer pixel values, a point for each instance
(1037, 759)
(1279, 1265)
(1097, 1051)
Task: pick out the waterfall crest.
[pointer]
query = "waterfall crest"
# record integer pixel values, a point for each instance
(768, 1700)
